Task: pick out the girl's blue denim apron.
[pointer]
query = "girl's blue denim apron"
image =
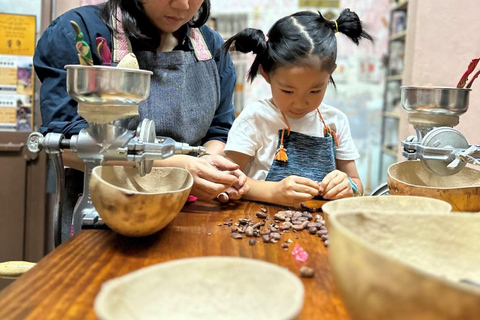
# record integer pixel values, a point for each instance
(308, 156)
(184, 95)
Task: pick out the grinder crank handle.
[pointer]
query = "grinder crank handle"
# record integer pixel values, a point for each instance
(162, 148)
(185, 148)
(180, 147)
(470, 155)
(51, 142)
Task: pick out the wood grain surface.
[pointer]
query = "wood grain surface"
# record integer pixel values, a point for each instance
(63, 285)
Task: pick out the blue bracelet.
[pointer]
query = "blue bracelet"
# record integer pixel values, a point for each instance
(354, 187)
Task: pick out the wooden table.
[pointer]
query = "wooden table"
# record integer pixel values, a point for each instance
(63, 285)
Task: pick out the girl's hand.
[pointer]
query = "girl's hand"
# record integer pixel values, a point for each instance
(294, 190)
(335, 185)
(212, 174)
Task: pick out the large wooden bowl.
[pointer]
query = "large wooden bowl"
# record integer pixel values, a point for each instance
(139, 206)
(386, 204)
(461, 190)
(407, 266)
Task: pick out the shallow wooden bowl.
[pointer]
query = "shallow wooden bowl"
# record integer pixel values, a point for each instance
(139, 206)
(461, 190)
(205, 288)
(415, 266)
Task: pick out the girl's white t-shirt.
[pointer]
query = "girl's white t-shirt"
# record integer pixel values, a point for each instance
(255, 133)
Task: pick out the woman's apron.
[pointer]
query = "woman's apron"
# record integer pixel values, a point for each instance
(184, 95)
(184, 89)
(308, 156)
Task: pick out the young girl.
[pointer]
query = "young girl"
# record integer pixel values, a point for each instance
(292, 146)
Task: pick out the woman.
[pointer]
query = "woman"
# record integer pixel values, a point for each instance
(168, 37)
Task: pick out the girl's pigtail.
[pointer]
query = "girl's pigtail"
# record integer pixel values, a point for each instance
(350, 25)
(248, 40)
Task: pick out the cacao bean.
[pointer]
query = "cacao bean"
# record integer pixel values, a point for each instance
(275, 235)
(298, 227)
(306, 272)
(261, 215)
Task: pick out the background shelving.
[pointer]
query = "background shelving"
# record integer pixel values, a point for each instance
(228, 25)
(394, 77)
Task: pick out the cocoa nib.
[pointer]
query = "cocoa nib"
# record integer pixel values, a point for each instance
(236, 235)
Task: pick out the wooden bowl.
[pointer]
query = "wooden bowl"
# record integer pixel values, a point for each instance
(139, 206)
(386, 204)
(461, 190)
(205, 288)
(406, 266)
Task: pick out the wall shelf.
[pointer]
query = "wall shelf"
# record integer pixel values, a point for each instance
(393, 115)
(397, 77)
(399, 36)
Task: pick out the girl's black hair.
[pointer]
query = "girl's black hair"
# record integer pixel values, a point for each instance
(295, 38)
(135, 21)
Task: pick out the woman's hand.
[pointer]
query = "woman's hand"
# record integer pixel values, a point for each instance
(294, 190)
(237, 189)
(335, 185)
(212, 174)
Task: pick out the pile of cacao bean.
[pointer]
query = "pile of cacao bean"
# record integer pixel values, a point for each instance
(284, 221)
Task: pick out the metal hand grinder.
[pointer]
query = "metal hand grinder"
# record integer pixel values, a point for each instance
(106, 97)
(433, 112)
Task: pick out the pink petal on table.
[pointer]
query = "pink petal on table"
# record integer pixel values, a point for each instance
(299, 253)
(191, 199)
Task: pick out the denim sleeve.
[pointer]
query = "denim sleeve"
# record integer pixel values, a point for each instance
(225, 113)
(55, 49)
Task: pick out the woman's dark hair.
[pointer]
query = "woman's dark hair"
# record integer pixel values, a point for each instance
(136, 23)
(295, 38)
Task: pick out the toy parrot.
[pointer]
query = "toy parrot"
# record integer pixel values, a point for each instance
(84, 52)
(104, 51)
(470, 69)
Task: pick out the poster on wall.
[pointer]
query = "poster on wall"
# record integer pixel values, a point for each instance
(17, 46)
(15, 112)
(8, 110)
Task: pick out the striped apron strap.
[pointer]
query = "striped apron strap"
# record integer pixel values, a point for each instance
(121, 43)
(200, 48)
